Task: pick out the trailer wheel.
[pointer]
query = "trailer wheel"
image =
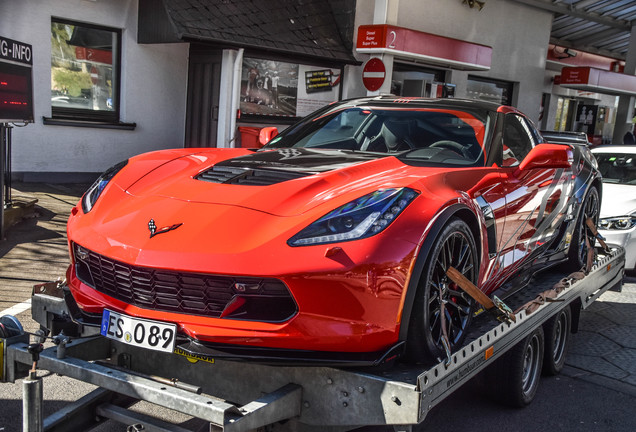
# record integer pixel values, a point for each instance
(557, 338)
(514, 378)
(577, 253)
(454, 247)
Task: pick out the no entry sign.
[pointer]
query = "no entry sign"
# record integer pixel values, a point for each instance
(373, 74)
(94, 75)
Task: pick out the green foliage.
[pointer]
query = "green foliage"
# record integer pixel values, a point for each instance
(62, 54)
(71, 82)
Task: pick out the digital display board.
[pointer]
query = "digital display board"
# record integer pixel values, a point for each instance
(16, 82)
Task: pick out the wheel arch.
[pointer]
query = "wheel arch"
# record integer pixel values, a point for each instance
(458, 210)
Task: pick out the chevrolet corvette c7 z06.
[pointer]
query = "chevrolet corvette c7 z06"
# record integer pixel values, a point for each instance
(331, 244)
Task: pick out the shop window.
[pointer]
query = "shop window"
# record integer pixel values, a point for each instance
(490, 90)
(412, 81)
(563, 114)
(85, 72)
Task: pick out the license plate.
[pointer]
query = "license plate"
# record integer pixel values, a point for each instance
(143, 333)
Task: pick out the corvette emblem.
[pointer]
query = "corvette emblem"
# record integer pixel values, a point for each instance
(154, 231)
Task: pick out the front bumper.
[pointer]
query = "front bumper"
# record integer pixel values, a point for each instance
(55, 309)
(625, 239)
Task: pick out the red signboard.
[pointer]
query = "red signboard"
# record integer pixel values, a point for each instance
(94, 55)
(373, 74)
(94, 75)
(575, 75)
(427, 47)
(597, 80)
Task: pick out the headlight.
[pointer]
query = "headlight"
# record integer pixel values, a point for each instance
(90, 197)
(360, 218)
(617, 223)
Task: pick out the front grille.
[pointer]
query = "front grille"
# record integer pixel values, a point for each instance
(262, 299)
(248, 176)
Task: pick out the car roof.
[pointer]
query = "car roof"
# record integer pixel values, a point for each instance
(415, 102)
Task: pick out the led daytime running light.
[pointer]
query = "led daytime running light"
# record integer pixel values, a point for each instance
(618, 223)
(92, 194)
(360, 218)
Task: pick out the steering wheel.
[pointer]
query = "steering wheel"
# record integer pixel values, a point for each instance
(453, 146)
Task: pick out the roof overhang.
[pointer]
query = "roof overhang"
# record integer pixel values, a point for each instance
(599, 81)
(315, 29)
(424, 47)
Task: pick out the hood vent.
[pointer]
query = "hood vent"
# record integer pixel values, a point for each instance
(248, 176)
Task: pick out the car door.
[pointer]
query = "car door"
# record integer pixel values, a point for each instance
(536, 199)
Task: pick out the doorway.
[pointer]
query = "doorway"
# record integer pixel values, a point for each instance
(202, 112)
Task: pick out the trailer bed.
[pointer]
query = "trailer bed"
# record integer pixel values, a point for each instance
(239, 396)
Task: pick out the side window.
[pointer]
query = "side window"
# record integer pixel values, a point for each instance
(85, 71)
(517, 140)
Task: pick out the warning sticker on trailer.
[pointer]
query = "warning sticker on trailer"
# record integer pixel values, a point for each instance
(193, 358)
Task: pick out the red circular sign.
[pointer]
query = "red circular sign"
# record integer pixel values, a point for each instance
(94, 75)
(373, 74)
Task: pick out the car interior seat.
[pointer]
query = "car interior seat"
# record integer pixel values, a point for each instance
(393, 137)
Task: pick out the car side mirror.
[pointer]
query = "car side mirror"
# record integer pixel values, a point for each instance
(546, 156)
(266, 134)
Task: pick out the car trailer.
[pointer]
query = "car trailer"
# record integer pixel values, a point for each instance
(239, 396)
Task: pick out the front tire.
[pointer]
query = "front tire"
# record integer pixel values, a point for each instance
(455, 247)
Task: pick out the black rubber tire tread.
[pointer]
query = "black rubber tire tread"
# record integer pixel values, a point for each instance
(557, 331)
(504, 378)
(575, 261)
(420, 346)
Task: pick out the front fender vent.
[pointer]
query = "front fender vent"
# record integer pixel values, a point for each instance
(248, 176)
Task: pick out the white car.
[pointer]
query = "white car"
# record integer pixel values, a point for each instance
(617, 223)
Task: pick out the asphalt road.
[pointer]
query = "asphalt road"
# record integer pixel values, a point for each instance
(578, 400)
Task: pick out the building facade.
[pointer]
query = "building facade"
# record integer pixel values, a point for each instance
(112, 79)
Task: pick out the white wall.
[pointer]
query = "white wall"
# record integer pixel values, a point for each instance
(153, 90)
(518, 34)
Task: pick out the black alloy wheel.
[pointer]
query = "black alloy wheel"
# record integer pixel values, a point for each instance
(455, 247)
(578, 248)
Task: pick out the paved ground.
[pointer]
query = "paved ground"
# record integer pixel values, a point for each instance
(597, 390)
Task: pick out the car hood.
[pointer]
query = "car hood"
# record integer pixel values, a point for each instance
(283, 182)
(618, 200)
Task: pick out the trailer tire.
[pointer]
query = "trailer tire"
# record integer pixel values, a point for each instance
(557, 339)
(514, 378)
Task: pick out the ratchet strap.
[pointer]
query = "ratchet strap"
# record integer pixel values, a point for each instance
(551, 294)
(495, 306)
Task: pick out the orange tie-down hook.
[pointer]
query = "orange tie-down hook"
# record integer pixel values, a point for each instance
(495, 305)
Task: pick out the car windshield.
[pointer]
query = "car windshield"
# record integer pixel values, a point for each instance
(440, 136)
(617, 167)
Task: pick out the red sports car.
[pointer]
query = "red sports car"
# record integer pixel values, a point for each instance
(331, 243)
